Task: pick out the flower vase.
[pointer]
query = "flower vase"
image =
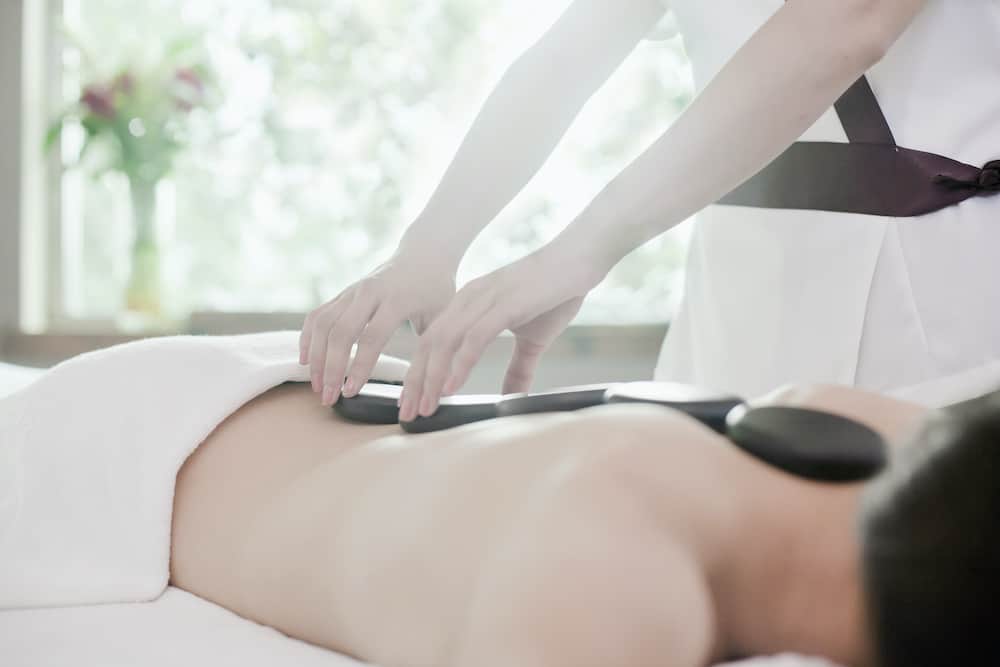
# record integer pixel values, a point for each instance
(142, 294)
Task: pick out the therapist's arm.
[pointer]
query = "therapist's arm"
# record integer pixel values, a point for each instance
(777, 85)
(782, 80)
(524, 118)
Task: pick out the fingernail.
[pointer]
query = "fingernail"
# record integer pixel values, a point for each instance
(328, 396)
(350, 387)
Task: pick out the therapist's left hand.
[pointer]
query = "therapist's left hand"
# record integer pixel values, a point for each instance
(535, 298)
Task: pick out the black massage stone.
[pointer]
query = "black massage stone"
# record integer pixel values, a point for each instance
(455, 411)
(375, 403)
(710, 408)
(564, 399)
(808, 443)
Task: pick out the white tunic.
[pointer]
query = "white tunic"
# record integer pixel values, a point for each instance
(906, 306)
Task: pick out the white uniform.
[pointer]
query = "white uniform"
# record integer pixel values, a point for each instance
(906, 306)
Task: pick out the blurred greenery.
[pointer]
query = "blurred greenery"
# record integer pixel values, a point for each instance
(333, 121)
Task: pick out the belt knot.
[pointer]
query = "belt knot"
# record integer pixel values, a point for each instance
(987, 180)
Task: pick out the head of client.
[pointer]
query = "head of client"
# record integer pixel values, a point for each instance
(931, 545)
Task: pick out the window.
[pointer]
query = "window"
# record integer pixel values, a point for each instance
(306, 134)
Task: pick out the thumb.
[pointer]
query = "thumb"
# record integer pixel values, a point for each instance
(521, 369)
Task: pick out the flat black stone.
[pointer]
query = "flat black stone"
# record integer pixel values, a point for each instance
(455, 411)
(808, 443)
(565, 399)
(375, 403)
(708, 407)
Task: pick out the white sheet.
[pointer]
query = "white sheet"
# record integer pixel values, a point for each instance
(177, 629)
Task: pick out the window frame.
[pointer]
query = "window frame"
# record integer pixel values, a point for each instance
(33, 237)
(11, 53)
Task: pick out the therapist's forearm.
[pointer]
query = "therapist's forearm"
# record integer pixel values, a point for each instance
(524, 118)
(782, 80)
(515, 131)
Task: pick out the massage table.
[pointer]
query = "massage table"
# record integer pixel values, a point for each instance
(175, 629)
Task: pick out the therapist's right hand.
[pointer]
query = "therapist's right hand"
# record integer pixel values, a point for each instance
(368, 313)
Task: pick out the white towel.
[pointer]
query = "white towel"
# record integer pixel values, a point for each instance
(89, 454)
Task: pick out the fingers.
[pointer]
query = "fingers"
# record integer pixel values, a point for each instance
(427, 373)
(339, 343)
(319, 325)
(370, 345)
(435, 373)
(409, 398)
(471, 350)
(432, 364)
(305, 338)
(521, 370)
(309, 327)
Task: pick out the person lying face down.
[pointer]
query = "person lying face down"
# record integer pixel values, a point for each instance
(625, 535)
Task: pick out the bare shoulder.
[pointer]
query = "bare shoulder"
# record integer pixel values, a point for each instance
(891, 417)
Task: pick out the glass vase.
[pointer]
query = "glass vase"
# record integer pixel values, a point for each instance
(143, 291)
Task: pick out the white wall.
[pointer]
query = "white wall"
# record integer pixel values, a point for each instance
(10, 153)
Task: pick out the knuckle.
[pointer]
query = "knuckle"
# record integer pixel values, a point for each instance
(370, 338)
(530, 351)
(340, 336)
(436, 327)
(448, 337)
(477, 337)
(519, 372)
(365, 290)
(325, 320)
(391, 304)
(426, 343)
(434, 377)
(466, 358)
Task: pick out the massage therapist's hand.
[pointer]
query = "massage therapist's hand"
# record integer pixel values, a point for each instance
(535, 298)
(407, 287)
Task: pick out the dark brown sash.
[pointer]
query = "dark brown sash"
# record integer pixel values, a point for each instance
(870, 174)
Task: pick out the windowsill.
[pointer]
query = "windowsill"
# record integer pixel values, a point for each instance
(584, 353)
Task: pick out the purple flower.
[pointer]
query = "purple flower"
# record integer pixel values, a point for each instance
(99, 101)
(188, 88)
(123, 83)
(190, 77)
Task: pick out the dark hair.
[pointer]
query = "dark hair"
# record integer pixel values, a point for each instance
(931, 545)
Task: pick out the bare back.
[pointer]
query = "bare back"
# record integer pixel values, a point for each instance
(400, 549)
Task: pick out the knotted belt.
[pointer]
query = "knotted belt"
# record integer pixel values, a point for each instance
(871, 174)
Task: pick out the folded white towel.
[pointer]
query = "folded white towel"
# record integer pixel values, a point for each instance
(89, 454)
